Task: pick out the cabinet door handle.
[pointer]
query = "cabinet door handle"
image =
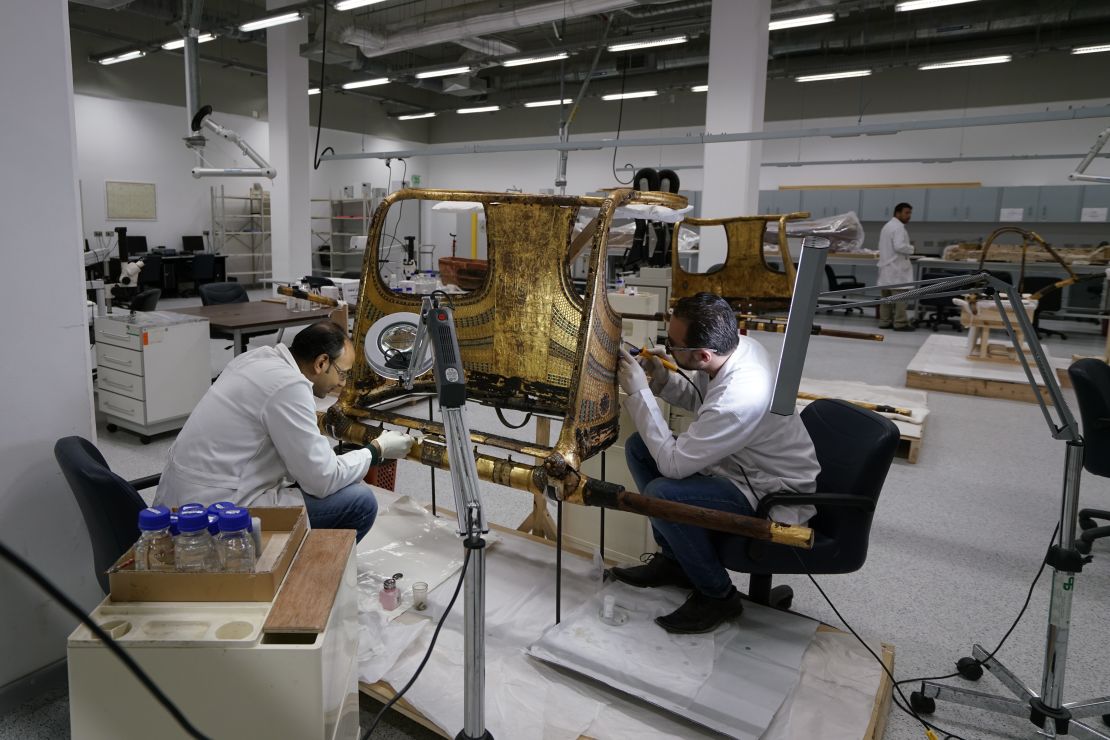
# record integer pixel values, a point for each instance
(113, 383)
(109, 358)
(110, 405)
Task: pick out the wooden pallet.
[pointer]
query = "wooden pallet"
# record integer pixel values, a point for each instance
(942, 365)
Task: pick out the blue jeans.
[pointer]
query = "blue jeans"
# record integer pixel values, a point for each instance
(352, 507)
(693, 547)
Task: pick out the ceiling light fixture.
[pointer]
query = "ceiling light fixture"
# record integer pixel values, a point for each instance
(313, 91)
(204, 38)
(442, 72)
(414, 116)
(1091, 49)
(627, 96)
(926, 4)
(803, 20)
(700, 88)
(628, 46)
(998, 59)
(124, 57)
(833, 75)
(352, 4)
(534, 60)
(366, 83)
(479, 109)
(275, 20)
(546, 103)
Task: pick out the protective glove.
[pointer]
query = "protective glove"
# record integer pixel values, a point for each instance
(393, 445)
(651, 360)
(630, 375)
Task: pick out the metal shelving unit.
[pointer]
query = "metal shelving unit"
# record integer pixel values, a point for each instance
(332, 231)
(241, 232)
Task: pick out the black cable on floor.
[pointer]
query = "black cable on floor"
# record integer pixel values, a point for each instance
(427, 654)
(77, 612)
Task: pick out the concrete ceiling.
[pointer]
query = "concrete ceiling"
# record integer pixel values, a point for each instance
(399, 38)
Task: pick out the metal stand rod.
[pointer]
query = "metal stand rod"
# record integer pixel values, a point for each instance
(558, 561)
(431, 470)
(474, 649)
(601, 533)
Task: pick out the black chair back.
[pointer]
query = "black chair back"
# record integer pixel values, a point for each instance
(203, 267)
(109, 504)
(145, 301)
(151, 274)
(216, 293)
(1091, 379)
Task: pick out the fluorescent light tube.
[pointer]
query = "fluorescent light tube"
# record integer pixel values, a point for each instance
(534, 60)
(313, 91)
(204, 38)
(1091, 49)
(546, 103)
(480, 109)
(833, 75)
(999, 59)
(125, 57)
(366, 83)
(276, 20)
(926, 4)
(700, 88)
(352, 4)
(414, 116)
(627, 96)
(646, 44)
(442, 72)
(803, 20)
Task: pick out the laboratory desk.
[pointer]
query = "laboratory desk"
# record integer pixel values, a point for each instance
(238, 319)
(176, 269)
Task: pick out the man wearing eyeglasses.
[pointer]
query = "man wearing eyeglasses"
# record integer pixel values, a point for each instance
(732, 454)
(254, 434)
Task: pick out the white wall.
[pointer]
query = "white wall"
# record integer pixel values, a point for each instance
(44, 369)
(139, 141)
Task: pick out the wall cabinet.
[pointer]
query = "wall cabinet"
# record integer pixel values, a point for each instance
(1039, 204)
(825, 203)
(962, 204)
(779, 201)
(877, 204)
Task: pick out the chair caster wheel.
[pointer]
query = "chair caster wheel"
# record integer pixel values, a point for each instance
(781, 597)
(112, 428)
(922, 704)
(1085, 522)
(144, 439)
(1106, 719)
(970, 668)
(1083, 547)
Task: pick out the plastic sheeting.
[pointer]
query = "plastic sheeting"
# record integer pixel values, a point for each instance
(844, 230)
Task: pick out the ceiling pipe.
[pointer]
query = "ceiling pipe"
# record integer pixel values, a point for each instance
(868, 129)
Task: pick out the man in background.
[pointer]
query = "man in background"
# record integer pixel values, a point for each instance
(894, 266)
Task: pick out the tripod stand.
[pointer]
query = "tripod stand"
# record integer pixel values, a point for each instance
(1045, 708)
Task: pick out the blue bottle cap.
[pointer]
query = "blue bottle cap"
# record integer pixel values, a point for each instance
(235, 520)
(173, 524)
(219, 506)
(154, 518)
(191, 507)
(192, 520)
(213, 524)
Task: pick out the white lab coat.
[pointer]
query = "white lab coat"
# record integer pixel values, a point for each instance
(894, 252)
(734, 432)
(253, 434)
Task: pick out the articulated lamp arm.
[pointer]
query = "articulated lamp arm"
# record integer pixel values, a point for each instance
(1100, 141)
(203, 118)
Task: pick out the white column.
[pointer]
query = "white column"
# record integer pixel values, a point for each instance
(45, 371)
(290, 148)
(734, 104)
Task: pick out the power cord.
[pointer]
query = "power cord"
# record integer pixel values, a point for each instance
(400, 208)
(427, 653)
(320, 106)
(620, 117)
(36, 577)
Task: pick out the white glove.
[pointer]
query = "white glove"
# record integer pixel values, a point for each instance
(393, 445)
(653, 366)
(630, 375)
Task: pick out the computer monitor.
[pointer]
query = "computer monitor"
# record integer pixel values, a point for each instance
(136, 245)
(192, 243)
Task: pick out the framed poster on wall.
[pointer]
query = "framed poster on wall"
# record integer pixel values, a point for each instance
(130, 201)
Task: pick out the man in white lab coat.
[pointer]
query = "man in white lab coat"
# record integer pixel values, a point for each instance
(254, 434)
(734, 453)
(894, 266)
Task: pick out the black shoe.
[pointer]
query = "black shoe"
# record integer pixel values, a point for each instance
(886, 326)
(907, 327)
(657, 570)
(702, 613)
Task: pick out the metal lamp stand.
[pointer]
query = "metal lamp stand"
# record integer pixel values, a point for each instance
(1046, 708)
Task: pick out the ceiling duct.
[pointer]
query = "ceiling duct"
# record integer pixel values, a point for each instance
(464, 86)
(489, 47)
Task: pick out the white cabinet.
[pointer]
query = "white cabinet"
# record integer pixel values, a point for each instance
(152, 369)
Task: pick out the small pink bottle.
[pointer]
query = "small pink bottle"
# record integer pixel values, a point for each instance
(390, 595)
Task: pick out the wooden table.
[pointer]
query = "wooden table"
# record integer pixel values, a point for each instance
(238, 319)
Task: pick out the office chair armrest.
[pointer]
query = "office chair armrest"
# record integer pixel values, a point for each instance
(147, 481)
(787, 498)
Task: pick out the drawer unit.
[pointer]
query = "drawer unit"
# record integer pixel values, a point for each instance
(152, 370)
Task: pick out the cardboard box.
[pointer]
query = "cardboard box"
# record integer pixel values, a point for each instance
(283, 530)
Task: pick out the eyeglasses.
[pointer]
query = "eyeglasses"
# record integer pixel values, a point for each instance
(343, 374)
(671, 349)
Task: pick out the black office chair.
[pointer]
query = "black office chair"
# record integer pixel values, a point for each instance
(217, 293)
(1091, 380)
(939, 311)
(151, 274)
(109, 504)
(1048, 304)
(855, 448)
(202, 271)
(352, 275)
(145, 301)
(841, 282)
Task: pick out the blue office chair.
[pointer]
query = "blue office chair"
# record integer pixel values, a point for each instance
(109, 504)
(855, 448)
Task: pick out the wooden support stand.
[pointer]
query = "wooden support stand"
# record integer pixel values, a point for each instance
(539, 522)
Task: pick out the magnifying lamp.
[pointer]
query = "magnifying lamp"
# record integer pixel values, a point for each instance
(389, 343)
